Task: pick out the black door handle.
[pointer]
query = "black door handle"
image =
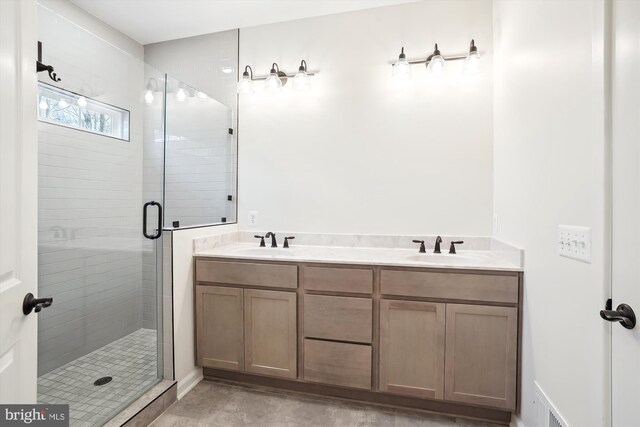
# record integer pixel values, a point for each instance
(623, 314)
(144, 220)
(31, 303)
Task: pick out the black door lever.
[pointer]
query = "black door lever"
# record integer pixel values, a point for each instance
(623, 314)
(31, 303)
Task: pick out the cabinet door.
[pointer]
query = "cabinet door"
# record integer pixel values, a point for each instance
(412, 348)
(271, 337)
(481, 356)
(219, 330)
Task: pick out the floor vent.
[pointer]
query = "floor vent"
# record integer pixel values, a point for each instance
(547, 414)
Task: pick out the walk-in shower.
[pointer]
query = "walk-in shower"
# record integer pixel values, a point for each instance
(118, 141)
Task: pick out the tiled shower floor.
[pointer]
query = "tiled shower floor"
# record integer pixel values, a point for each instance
(131, 361)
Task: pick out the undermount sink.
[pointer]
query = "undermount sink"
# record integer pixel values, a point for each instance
(446, 258)
(267, 251)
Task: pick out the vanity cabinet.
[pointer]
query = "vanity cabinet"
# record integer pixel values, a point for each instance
(412, 348)
(445, 340)
(241, 328)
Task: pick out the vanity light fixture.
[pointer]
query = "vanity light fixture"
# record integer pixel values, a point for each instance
(274, 83)
(302, 81)
(276, 79)
(472, 64)
(401, 68)
(435, 63)
(245, 85)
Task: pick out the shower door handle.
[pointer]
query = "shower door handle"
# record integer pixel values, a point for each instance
(144, 220)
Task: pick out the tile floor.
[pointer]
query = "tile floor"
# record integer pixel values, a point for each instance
(219, 404)
(131, 361)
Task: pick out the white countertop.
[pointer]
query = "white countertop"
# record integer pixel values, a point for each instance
(498, 260)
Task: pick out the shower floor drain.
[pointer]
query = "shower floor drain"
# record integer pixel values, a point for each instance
(103, 381)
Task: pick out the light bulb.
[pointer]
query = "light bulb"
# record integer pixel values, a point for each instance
(302, 81)
(472, 63)
(82, 101)
(273, 83)
(62, 103)
(181, 95)
(43, 104)
(148, 97)
(201, 95)
(435, 67)
(401, 69)
(245, 85)
(227, 70)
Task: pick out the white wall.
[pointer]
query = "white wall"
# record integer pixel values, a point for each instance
(550, 154)
(186, 372)
(360, 153)
(198, 61)
(92, 24)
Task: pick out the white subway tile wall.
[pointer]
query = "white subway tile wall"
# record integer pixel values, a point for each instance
(200, 162)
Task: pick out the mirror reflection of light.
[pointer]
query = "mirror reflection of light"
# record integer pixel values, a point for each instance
(181, 95)
(148, 96)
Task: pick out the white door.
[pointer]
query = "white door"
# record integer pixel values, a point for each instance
(625, 345)
(18, 200)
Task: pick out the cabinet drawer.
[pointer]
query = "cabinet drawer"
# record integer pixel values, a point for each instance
(470, 287)
(336, 363)
(358, 281)
(240, 273)
(338, 318)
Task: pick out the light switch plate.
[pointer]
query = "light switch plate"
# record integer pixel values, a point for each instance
(252, 219)
(575, 242)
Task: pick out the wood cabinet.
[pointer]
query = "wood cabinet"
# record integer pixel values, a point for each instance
(412, 348)
(219, 327)
(481, 355)
(427, 338)
(270, 333)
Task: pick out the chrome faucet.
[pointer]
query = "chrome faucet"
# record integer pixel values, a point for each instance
(274, 243)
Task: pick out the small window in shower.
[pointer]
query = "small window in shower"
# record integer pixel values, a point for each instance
(65, 108)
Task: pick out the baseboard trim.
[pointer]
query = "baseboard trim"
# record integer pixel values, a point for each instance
(190, 381)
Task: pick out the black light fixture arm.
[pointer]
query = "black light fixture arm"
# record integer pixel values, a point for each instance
(248, 72)
(40, 67)
(303, 66)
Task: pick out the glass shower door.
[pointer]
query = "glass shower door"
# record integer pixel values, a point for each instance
(101, 159)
